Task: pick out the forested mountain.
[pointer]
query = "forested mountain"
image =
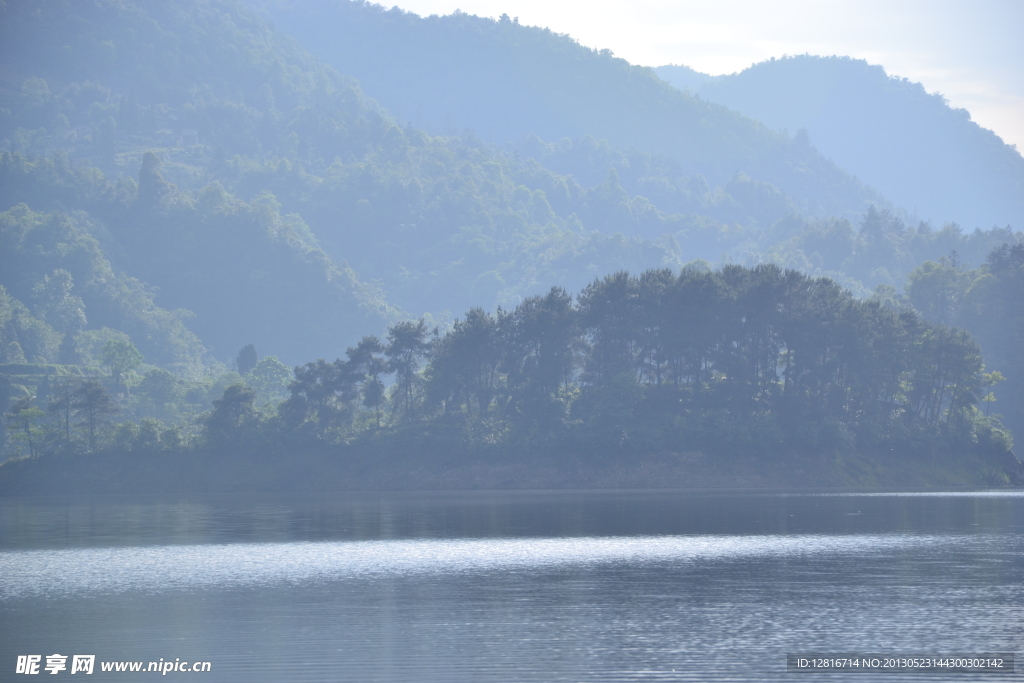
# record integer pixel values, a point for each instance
(240, 271)
(506, 81)
(547, 94)
(181, 181)
(440, 223)
(52, 262)
(919, 152)
(128, 78)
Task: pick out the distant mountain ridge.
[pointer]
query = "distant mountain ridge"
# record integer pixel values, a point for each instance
(911, 145)
(507, 81)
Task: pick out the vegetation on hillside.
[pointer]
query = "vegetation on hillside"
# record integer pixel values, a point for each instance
(506, 81)
(761, 365)
(987, 302)
(180, 181)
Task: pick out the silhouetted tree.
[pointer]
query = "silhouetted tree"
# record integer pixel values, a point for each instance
(25, 416)
(152, 185)
(247, 359)
(366, 363)
(406, 349)
(61, 406)
(94, 407)
(231, 411)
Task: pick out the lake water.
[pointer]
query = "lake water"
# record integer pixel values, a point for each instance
(511, 586)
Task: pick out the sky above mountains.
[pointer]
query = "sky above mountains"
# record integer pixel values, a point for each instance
(969, 52)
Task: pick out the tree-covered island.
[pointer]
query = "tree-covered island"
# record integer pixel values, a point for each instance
(742, 376)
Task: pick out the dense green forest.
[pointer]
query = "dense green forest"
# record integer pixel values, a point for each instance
(761, 366)
(180, 181)
(986, 301)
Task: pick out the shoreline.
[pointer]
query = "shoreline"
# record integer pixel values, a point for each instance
(337, 470)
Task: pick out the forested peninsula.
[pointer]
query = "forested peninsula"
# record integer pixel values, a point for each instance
(737, 377)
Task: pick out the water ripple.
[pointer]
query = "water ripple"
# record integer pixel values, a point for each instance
(157, 568)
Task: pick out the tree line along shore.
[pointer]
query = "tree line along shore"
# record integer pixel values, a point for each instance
(741, 376)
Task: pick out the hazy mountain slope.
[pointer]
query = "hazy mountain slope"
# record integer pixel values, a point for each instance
(441, 223)
(910, 145)
(683, 77)
(246, 273)
(35, 246)
(294, 190)
(506, 81)
(103, 82)
(105, 78)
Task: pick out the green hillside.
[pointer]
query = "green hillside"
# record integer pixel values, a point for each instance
(241, 271)
(53, 263)
(441, 223)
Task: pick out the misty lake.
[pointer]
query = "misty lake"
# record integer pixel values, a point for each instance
(511, 586)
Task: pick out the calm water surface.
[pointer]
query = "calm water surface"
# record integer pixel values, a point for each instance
(511, 586)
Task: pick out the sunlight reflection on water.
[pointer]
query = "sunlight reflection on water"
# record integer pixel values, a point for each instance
(501, 587)
(156, 568)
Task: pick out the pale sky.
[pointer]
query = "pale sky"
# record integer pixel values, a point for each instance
(971, 52)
